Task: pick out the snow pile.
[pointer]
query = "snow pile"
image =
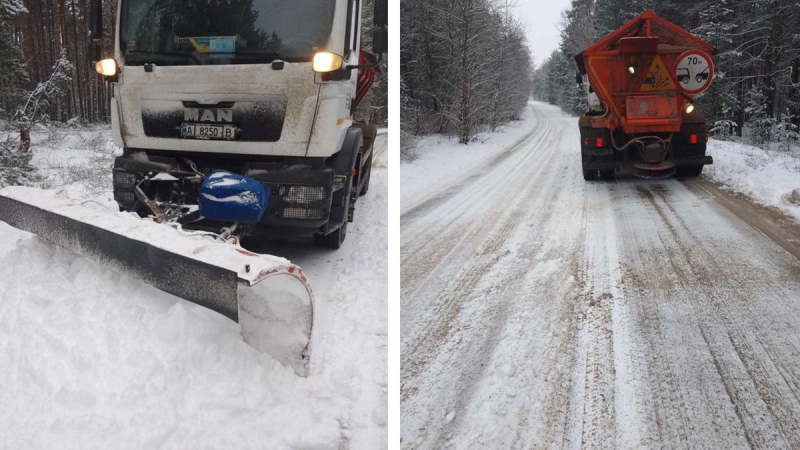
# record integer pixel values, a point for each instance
(75, 159)
(93, 359)
(771, 177)
(442, 159)
(243, 198)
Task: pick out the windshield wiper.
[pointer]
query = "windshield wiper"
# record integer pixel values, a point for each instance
(164, 53)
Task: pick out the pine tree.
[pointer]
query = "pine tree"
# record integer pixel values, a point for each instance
(15, 75)
(15, 165)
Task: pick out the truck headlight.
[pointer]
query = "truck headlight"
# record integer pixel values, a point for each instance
(326, 62)
(106, 67)
(305, 195)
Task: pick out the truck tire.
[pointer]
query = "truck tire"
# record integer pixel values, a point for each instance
(607, 174)
(332, 240)
(367, 177)
(590, 175)
(688, 171)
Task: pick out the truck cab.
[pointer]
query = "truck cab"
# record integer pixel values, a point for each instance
(265, 89)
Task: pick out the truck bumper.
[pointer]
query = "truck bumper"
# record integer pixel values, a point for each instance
(300, 189)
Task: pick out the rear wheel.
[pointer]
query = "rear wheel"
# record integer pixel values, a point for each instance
(689, 171)
(332, 240)
(607, 174)
(589, 175)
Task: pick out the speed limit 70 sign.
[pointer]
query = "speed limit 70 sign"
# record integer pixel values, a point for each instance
(694, 71)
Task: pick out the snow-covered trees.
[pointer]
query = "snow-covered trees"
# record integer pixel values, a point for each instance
(558, 86)
(15, 165)
(756, 83)
(34, 34)
(465, 65)
(42, 98)
(14, 78)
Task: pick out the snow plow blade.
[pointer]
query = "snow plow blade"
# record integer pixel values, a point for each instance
(268, 296)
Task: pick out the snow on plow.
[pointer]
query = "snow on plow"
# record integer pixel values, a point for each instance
(267, 295)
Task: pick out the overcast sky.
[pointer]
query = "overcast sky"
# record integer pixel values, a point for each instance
(541, 19)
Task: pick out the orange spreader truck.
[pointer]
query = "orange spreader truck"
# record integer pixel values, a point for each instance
(641, 119)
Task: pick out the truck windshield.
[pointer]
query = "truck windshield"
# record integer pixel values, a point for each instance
(184, 32)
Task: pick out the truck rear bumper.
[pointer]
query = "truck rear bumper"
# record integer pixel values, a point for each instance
(609, 162)
(686, 162)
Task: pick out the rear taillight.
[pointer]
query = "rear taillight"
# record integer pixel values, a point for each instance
(693, 139)
(599, 142)
(586, 142)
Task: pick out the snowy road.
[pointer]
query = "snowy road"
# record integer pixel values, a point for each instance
(542, 311)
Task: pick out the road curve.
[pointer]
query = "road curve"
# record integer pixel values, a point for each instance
(541, 311)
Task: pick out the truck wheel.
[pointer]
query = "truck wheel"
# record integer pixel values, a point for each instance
(331, 240)
(689, 171)
(607, 174)
(368, 176)
(589, 175)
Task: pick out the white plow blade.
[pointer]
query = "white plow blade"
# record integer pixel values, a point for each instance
(267, 295)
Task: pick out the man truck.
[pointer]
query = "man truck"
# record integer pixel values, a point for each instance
(265, 89)
(235, 118)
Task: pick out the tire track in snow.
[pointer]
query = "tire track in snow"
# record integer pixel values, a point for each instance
(442, 233)
(601, 278)
(606, 317)
(447, 306)
(714, 295)
(455, 242)
(524, 206)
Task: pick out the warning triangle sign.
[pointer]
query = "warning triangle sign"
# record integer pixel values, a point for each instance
(657, 78)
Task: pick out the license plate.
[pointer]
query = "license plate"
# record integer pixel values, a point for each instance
(207, 131)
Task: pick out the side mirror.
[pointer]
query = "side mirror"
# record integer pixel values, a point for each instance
(381, 10)
(95, 20)
(578, 78)
(380, 41)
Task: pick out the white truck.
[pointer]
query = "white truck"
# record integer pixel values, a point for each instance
(235, 118)
(261, 88)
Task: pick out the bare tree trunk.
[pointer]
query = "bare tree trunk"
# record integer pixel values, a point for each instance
(24, 135)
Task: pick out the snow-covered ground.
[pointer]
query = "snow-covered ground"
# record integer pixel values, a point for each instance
(93, 359)
(441, 159)
(542, 311)
(771, 177)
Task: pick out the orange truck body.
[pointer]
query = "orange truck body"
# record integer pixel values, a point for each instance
(645, 74)
(651, 98)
